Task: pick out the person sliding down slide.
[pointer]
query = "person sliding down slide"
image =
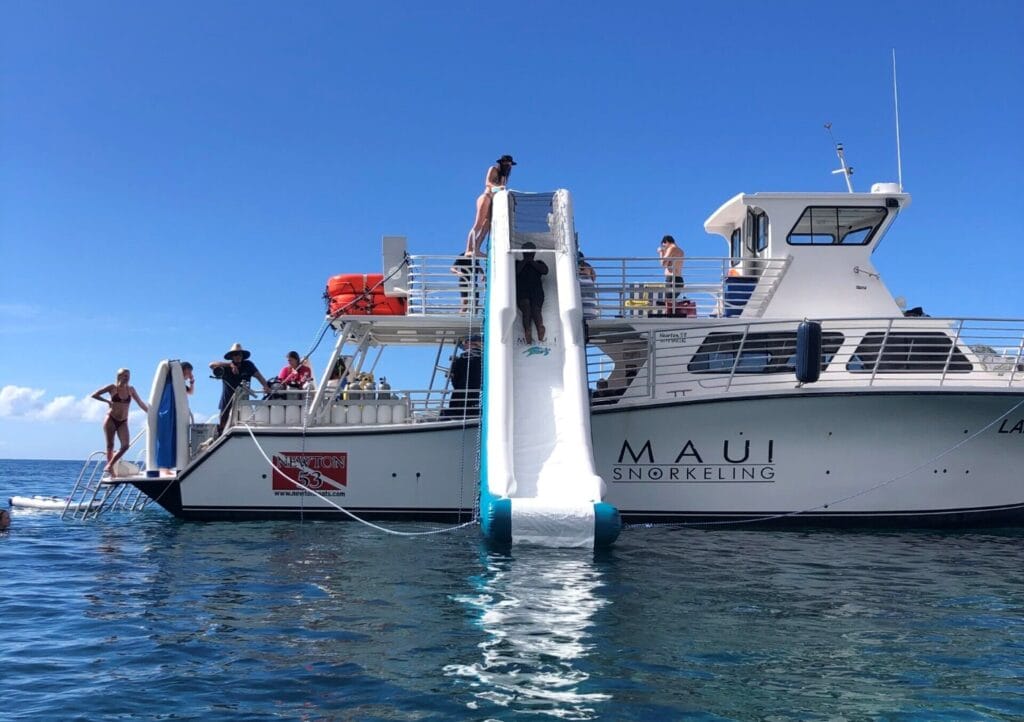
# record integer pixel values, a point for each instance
(530, 291)
(496, 180)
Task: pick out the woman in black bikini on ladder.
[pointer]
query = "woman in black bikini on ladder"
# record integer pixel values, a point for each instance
(496, 180)
(121, 395)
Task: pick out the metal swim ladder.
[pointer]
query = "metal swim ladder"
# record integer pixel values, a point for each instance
(92, 495)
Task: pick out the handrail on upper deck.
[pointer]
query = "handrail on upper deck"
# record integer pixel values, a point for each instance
(759, 355)
(625, 287)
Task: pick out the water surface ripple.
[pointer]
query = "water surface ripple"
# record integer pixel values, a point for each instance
(147, 617)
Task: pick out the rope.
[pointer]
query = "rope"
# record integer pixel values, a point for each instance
(854, 495)
(364, 296)
(342, 509)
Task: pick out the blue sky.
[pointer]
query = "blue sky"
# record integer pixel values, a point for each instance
(176, 177)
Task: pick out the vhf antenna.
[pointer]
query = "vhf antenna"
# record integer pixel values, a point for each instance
(846, 170)
(896, 105)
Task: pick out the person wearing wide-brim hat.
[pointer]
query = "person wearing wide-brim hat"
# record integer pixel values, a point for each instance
(236, 369)
(236, 349)
(495, 180)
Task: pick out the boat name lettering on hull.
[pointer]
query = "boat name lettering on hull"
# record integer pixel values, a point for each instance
(735, 460)
(324, 472)
(1006, 428)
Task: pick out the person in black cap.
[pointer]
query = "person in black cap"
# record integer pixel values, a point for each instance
(496, 180)
(233, 371)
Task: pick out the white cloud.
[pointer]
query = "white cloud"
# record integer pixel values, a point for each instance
(28, 403)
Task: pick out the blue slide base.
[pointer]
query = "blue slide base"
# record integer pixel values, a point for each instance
(607, 524)
(496, 523)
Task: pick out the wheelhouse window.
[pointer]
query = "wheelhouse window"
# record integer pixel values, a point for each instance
(908, 353)
(736, 246)
(835, 225)
(758, 353)
(761, 230)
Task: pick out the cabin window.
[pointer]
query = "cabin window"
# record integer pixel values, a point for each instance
(834, 225)
(736, 246)
(907, 353)
(748, 229)
(762, 353)
(761, 230)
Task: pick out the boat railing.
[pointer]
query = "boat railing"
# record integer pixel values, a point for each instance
(356, 407)
(761, 355)
(623, 288)
(283, 407)
(638, 287)
(436, 289)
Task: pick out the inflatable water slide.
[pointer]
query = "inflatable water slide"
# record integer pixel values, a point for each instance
(538, 484)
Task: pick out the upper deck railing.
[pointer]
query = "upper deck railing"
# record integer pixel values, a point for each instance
(436, 288)
(760, 356)
(623, 287)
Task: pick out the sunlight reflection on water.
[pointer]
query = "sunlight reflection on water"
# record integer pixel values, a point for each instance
(537, 611)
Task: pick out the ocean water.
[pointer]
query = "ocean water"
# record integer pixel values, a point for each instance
(144, 617)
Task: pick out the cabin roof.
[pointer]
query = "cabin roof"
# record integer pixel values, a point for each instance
(730, 214)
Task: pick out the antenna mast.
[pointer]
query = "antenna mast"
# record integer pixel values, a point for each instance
(846, 170)
(896, 104)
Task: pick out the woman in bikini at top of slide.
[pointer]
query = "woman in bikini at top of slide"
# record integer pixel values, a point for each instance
(496, 180)
(121, 395)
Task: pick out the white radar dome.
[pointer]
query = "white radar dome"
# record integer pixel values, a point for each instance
(886, 188)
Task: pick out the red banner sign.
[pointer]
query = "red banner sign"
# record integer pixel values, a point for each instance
(325, 472)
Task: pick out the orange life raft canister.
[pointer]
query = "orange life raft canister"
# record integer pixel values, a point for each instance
(361, 294)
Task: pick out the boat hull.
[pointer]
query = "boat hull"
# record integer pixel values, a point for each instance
(878, 459)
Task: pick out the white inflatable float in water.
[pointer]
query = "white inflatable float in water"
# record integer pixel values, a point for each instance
(52, 503)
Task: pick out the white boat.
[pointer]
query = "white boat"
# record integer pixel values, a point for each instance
(895, 420)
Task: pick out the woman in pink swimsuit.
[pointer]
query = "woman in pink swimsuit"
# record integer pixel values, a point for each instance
(121, 395)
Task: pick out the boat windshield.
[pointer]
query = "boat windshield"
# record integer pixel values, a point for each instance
(836, 225)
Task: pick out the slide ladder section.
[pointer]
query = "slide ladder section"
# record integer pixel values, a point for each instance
(538, 483)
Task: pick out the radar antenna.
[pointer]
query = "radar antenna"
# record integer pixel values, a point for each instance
(846, 170)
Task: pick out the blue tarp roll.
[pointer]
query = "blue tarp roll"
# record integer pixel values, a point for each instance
(166, 448)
